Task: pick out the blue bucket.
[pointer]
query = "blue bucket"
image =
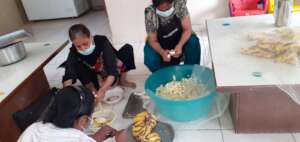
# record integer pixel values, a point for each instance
(182, 110)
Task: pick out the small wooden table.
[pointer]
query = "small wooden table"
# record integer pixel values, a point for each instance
(258, 105)
(22, 83)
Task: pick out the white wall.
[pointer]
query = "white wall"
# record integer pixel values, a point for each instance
(10, 16)
(200, 10)
(126, 17)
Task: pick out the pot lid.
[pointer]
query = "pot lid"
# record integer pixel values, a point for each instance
(13, 37)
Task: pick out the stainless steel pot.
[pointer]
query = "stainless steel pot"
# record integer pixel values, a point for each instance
(12, 47)
(12, 53)
(283, 12)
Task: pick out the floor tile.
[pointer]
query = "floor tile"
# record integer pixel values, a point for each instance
(297, 137)
(61, 56)
(120, 122)
(54, 73)
(230, 136)
(195, 125)
(52, 30)
(198, 136)
(226, 120)
(141, 69)
(55, 83)
(139, 80)
(211, 122)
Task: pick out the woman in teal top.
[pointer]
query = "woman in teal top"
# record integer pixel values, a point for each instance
(170, 37)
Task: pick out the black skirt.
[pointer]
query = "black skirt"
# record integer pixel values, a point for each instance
(126, 55)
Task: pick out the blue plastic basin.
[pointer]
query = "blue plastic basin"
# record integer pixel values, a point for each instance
(182, 110)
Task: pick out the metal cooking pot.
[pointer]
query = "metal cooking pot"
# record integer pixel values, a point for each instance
(12, 47)
(283, 12)
(12, 53)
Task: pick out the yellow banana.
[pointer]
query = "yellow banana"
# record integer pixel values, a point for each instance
(142, 114)
(136, 131)
(140, 138)
(143, 132)
(153, 117)
(143, 124)
(147, 131)
(152, 123)
(137, 128)
(153, 137)
(139, 123)
(139, 119)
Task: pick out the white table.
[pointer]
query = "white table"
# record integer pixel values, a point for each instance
(235, 69)
(24, 82)
(37, 55)
(252, 110)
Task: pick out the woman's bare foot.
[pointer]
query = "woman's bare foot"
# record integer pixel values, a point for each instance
(121, 136)
(129, 84)
(125, 83)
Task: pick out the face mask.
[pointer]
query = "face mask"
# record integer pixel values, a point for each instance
(88, 51)
(86, 128)
(165, 13)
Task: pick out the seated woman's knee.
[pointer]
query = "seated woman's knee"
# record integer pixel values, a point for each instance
(128, 46)
(152, 64)
(193, 40)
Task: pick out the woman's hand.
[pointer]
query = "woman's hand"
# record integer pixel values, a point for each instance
(121, 136)
(100, 94)
(166, 56)
(178, 51)
(68, 83)
(104, 133)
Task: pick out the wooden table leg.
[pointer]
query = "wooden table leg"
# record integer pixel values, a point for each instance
(264, 109)
(31, 89)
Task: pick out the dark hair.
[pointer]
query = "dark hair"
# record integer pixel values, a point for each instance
(70, 103)
(156, 3)
(78, 30)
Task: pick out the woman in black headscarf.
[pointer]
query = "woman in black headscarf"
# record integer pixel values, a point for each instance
(67, 118)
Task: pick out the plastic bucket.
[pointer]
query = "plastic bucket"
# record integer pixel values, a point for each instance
(182, 110)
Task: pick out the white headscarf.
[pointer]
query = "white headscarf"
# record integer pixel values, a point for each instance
(39, 132)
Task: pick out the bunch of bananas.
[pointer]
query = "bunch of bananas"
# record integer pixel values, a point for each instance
(143, 124)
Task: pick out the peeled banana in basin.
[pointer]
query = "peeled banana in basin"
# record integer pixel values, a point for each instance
(143, 125)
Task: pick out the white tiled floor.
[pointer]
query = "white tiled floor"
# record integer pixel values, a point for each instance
(199, 136)
(218, 130)
(226, 121)
(213, 124)
(57, 29)
(297, 137)
(230, 136)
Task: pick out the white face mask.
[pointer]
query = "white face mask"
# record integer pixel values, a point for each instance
(86, 128)
(88, 51)
(165, 13)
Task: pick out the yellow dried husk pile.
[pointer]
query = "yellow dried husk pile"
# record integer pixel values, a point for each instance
(282, 45)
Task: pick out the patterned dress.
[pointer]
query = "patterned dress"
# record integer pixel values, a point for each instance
(152, 19)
